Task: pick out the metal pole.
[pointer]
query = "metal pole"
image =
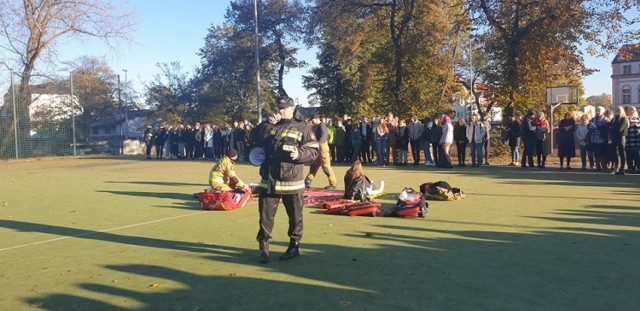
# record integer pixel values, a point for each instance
(120, 113)
(15, 117)
(73, 115)
(126, 109)
(470, 67)
(255, 16)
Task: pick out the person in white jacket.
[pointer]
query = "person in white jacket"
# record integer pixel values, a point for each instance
(446, 141)
(582, 129)
(476, 133)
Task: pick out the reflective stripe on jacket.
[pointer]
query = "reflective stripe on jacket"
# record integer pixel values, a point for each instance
(281, 174)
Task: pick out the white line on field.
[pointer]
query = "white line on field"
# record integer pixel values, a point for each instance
(101, 231)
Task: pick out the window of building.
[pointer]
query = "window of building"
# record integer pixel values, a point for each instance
(626, 69)
(626, 95)
(96, 131)
(107, 131)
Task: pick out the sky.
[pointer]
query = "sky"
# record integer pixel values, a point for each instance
(174, 30)
(167, 31)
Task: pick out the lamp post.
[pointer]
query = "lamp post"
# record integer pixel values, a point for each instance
(255, 17)
(126, 109)
(15, 117)
(119, 113)
(73, 115)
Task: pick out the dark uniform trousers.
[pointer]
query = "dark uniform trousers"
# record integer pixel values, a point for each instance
(268, 205)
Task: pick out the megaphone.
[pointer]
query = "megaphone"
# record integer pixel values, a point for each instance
(257, 155)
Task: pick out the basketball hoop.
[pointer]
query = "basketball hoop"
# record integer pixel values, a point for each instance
(557, 96)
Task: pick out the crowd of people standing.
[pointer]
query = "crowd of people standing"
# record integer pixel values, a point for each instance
(198, 142)
(385, 140)
(608, 141)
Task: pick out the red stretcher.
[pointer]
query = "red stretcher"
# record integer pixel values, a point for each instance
(224, 200)
(351, 208)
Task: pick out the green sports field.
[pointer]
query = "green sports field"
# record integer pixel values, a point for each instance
(118, 233)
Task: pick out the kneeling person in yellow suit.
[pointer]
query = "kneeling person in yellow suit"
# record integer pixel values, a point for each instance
(223, 176)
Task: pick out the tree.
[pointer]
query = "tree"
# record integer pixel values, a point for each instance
(95, 87)
(398, 54)
(225, 82)
(334, 91)
(31, 28)
(535, 44)
(600, 100)
(170, 94)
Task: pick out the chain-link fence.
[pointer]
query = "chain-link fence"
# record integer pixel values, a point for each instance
(54, 124)
(81, 114)
(48, 136)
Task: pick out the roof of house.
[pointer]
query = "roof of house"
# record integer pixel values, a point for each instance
(628, 53)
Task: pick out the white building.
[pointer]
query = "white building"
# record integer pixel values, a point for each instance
(626, 77)
(464, 106)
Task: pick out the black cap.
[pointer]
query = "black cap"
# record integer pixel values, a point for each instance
(284, 102)
(232, 153)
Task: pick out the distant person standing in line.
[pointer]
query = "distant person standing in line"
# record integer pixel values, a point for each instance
(147, 137)
(581, 137)
(460, 137)
(436, 134)
(402, 142)
(160, 137)
(528, 139)
(486, 143)
(475, 134)
(445, 141)
(618, 135)
(513, 135)
(598, 138)
(542, 131)
(566, 140)
(415, 133)
(632, 147)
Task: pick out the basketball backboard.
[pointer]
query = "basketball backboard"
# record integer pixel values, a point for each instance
(562, 95)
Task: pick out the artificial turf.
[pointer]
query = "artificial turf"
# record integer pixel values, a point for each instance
(125, 233)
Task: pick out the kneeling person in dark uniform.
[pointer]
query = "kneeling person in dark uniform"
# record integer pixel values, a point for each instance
(288, 145)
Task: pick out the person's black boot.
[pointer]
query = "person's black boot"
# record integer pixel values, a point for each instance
(264, 251)
(292, 251)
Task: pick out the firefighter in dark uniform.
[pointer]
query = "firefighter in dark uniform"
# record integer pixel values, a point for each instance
(288, 145)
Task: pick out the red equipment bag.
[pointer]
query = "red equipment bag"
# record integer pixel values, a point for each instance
(411, 212)
(411, 204)
(224, 200)
(367, 208)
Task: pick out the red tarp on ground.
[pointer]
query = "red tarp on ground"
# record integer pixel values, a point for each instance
(317, 195)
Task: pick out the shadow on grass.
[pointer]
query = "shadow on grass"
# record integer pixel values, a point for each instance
(186, 199)
(157, 183)
(112, 237)
(579, 261)
(548, 176)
